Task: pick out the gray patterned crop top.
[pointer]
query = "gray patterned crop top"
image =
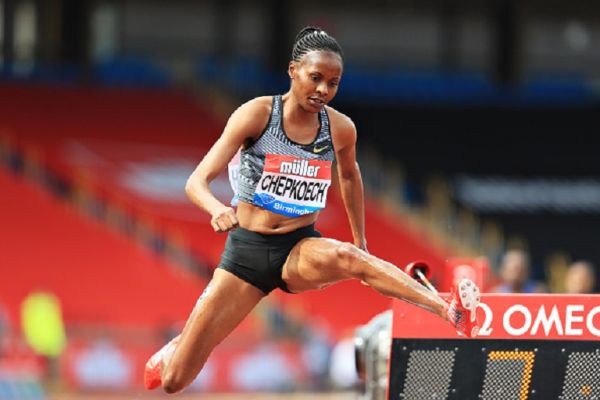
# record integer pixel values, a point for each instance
(283, 176)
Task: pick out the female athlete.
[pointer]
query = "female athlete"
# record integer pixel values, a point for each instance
(288, 144)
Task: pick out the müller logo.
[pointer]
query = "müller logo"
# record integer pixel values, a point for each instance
(547, 321)
(299, 167)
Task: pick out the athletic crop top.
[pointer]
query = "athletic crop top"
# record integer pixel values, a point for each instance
(283, 176)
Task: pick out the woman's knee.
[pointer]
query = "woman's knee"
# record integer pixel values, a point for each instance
(350, 260)
(172, 382)
(175, 380)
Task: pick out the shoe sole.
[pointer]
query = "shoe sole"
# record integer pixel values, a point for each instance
(469, 298)
(152, 377)
(154, 366)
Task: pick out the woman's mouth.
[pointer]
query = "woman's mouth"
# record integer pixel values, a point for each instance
(317, 102)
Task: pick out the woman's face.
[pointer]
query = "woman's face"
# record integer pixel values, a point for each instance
(315, 78)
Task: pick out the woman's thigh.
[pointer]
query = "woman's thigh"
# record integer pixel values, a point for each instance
(313, 264)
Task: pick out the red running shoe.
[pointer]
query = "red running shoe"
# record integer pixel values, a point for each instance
(462, 310)
(154, 366)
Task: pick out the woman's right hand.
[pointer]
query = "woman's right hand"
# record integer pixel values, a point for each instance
(224, 219)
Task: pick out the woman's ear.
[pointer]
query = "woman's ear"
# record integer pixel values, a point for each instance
(292, 69)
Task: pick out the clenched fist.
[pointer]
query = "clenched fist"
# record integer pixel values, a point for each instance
(224, 219)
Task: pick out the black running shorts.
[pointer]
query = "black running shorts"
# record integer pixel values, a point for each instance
(258, 259)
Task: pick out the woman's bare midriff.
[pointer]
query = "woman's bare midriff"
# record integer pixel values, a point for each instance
(259, 220)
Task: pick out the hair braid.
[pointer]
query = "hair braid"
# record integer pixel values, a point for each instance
(312, 38)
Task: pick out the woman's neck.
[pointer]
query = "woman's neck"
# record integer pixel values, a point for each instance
(293, 113)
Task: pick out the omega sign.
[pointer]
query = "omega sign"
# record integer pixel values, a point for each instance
(548, 320)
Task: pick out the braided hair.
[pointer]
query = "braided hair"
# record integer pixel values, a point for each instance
(312, 38)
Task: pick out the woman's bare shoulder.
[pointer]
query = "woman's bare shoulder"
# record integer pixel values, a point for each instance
(259, 105)
(342, 125)
(252, 116)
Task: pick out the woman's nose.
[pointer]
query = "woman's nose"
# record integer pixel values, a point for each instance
(322, 89)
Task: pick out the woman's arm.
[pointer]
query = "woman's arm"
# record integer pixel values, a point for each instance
(247, 122)
(350, 179)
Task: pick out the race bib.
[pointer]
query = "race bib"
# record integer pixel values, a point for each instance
(293, 186)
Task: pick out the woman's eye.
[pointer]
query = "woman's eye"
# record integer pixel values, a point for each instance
(314, 78)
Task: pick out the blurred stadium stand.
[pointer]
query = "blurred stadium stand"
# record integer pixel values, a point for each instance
(112, 146)
(99, 276)
(97, 97)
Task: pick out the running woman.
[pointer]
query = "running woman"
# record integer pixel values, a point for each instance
(287, 145)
